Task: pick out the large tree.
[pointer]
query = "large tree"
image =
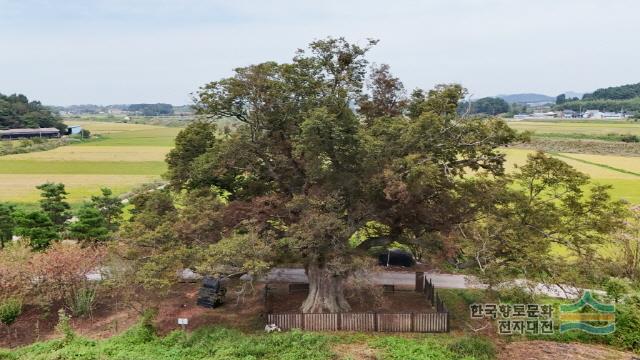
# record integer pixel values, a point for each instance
(304, 172)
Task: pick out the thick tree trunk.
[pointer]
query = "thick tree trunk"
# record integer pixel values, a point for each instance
(326, 291)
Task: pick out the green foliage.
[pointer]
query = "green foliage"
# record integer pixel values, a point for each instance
(16, 111)
(211, 343)
(305, 173)
(7, 223)
(37, 227)
(561, 99)
(82, 302)
(64, 326)
(10, 310)
(627, 334)
(192, 142)
(396, 348)
(616, 288)
(53, 203)
(546, 205)
(632, 105)
(151, 109)
(110, 207)
(630, 138)
(91, 225)
(475, 347)
(615, 92)
(487, 105)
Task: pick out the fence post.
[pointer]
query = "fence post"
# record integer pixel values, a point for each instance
(448, 320)
(339, 321)
(375, 321)
(419, 281)
(302, 320)
(412, 326)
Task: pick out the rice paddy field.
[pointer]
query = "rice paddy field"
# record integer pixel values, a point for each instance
(121, 157)
(618, 171)
(125, 155)
(608, 130)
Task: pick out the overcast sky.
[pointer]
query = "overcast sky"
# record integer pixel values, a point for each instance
(130, 51)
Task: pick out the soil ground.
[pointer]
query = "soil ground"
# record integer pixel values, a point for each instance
(399, 300)
(547, 350)
(109, 319)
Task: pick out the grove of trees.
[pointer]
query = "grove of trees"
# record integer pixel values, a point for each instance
(16, 111)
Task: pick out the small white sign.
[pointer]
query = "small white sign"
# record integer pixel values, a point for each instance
(183, 321)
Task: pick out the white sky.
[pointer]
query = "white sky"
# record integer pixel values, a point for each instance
(117, 51)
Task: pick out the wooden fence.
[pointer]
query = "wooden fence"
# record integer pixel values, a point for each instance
(432, 322)
(383, 322)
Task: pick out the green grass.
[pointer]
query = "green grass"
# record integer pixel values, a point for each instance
(82, 167)
(216, 343)
(155, 136)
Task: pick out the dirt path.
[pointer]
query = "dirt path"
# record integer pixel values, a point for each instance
(546, 350)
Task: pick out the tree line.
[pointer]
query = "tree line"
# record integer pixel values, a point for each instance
(16, 111)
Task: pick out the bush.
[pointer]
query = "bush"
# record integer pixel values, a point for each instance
(616, 288)
(476, 347)
(630, 138)
(627, 334)
(81, 303)
(515, 295)
(64, 326)
(10, 310)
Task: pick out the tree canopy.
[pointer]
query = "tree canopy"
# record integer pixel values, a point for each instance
(305, 171)
(16, 111)
(333, 160)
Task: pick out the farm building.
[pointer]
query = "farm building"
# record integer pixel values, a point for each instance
(74, 129)
(29, 133)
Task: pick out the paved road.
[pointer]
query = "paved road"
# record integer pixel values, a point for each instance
(439, 280)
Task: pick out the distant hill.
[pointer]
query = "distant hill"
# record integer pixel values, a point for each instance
(625, 98)
(624, 92)
(527, 98)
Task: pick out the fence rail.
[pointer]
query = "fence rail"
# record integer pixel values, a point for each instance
(382, 322)
(431, 322)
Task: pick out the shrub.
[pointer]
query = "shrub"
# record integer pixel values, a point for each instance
(476, 347)
(10, 310)
(630, 138)
(616, 288)
(81, 303)
(62, 271)
(627, 334)
(515, 295)
(64, 326)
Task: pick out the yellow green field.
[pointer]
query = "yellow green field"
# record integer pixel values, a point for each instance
(601, 168)
(121, 157)
(565, 127)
